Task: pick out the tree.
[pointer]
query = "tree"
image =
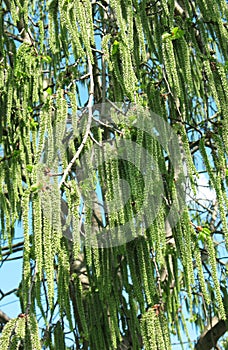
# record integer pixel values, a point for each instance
(80, 81)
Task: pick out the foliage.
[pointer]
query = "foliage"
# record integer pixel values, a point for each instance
(57, 59)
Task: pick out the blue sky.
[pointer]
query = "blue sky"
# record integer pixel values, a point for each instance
(10, 277)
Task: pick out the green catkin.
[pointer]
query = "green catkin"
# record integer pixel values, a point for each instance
(110, 193)
(133, 321)
(217, 186)
(149, 329)
(34, 332)
(63, 279)
(129, 78)
(106, 54)
(130, 26)
(161, 219)
(222, 37)
(142, 268)
(135, 276)
(58, 337)
(212, 260)
(56, 217)
(96, 333)
(41, 35)
(114, 177)
(71, 26)
(73, 101)
(17, 334)
(9, 103)
(159, 335)
(165, 331)
(121, 21)
(20, 327)
(184, 57)
(89, 20)
(212, 85)
(37, 231)
(14, 12)
(178, 328)
(118, 74)
(61, 288)
(219, 157)
(81, 17)
(36, 84)
(96, 262)
(48, 253)
(188, 245)
(222, 90)
(42, 129)
(165, 8)
(26, 259)
(53, 26)
(170, 67)
(149, 271)
(113, 322)
(8, 330)
(108, 273)
(200, 273)
(139, 27)
(221, 85)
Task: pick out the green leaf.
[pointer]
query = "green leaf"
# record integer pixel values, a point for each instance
(46, 59)
(16, 153)
(35, 187)
(204, 234)
(115, 47)
(29, 109)
(29, 168)
(49, 91)
(33, 124)
(206, 231)
(177, 33)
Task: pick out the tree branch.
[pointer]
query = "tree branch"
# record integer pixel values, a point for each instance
(3, 317)
(90, 112)
(211, 334)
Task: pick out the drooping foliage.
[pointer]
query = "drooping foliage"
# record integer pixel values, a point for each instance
(58, 59)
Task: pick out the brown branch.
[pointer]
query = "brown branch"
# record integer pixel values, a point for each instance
(216, 329)
(158, 277)
(30, 291)
(3, 295)
(3, 317)
(90, 115)
(108, 126)
(13, 36)
(16, 245)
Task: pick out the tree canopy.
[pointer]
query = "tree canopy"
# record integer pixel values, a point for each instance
(111, 112)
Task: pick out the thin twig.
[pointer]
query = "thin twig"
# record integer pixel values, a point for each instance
(16, 245)
(115, 106)
(158, 278)
(109, 126)
(94, 140)
(3, 295)
(15, 37)
(89, 106)
(30, 291)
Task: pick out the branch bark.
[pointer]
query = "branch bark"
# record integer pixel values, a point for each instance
(3, 317)
(215, 330)
(90, 115)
